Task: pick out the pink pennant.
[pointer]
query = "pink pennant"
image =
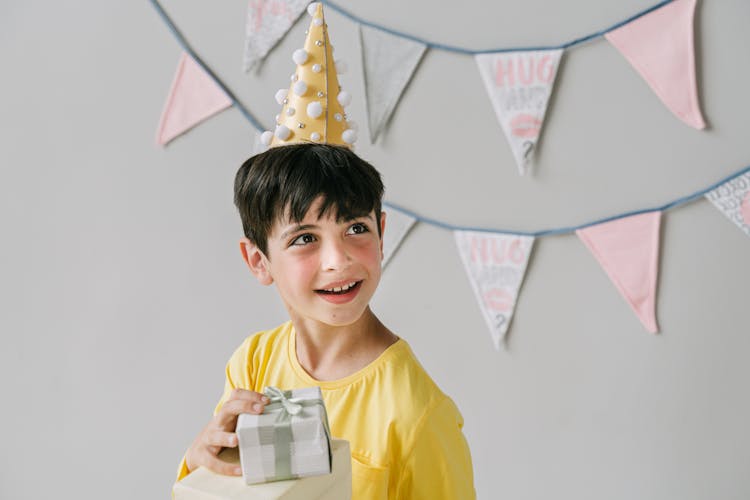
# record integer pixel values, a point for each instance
(746, 209)
(628, 250)
(194, 96)
(660, 47)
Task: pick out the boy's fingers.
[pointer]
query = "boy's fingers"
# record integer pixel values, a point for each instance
(231, 409)
(222, 439)
(249, 395)
(221, 467)
(243, 406)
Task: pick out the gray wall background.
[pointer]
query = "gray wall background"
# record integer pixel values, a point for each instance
(123, 292)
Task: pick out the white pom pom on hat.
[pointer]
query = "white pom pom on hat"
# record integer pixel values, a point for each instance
(283, 132)
(281, 95)
(300, 56)
(349, 136)
(314, 109)
(300, 88)
(312, 8)
(266, 137)
(344, 98)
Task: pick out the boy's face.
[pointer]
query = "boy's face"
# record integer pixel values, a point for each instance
(324, 270)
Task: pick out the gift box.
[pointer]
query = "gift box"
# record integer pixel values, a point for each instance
(202, 484)
(289, 440)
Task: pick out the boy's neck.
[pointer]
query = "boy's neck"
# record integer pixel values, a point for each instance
(328, 352)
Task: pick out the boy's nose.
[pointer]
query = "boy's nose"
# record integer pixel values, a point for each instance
(335, 256)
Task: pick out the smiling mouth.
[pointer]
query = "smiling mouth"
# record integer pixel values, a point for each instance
(340, 290)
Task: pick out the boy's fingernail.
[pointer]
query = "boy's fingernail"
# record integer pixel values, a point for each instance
(258, 407)
(233, 440)
(266, 399)
(238, 471)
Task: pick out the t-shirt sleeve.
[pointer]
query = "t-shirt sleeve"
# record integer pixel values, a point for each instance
(439, 465)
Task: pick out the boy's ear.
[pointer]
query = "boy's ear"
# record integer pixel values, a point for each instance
(382, 233)
(256, 261)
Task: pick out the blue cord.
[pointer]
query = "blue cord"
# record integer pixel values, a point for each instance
(461, 50)
(255, 123)
(186, 46)
(566, 230)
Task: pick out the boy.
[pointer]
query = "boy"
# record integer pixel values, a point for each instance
(313, 225)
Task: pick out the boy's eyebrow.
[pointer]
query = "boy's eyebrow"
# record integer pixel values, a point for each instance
(298, 227)
(369, 216)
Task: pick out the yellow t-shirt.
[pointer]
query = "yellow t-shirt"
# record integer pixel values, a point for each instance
(404, 433)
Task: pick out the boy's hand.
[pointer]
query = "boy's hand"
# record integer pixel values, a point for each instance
(219, 433)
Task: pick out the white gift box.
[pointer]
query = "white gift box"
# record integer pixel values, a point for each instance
(289, 440)
(202, 484)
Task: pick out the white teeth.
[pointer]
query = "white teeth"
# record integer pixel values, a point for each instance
(341, 288)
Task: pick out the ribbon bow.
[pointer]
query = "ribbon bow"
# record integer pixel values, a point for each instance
(276, 395)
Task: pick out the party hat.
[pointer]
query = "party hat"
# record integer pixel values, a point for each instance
(312, 109)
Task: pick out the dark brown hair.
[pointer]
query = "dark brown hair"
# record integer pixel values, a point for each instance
(285, 180)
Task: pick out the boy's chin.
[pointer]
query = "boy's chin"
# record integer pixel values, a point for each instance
(343, 320)
(340, 320)
(336, 316)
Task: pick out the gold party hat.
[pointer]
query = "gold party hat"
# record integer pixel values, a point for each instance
(312, 109)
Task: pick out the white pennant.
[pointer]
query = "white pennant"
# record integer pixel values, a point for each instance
(266, 23)
(397, 226)
(733, 200)
(519, 85)
(496, 265)
(389, 62)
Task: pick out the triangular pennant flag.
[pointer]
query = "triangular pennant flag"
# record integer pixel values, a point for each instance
(628, 250)
(733, 200)
(520, 85)
(660, 47)
(266, 23)
(389, 62)
(397, 225)
(194, 96)
(495, 264)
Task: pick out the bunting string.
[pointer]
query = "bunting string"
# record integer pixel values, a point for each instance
(570, 229)
(448, 48)
(187, 48)
(626, 246)
(461, 50)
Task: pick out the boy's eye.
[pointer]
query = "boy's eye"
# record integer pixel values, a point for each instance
(303, 239)
(357, 228)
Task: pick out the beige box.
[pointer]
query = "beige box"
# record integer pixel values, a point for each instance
(202, 484)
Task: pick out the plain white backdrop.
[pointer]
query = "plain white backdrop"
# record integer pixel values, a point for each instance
(123, 292)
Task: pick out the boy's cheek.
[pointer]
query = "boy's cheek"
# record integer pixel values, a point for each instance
(374, 260)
